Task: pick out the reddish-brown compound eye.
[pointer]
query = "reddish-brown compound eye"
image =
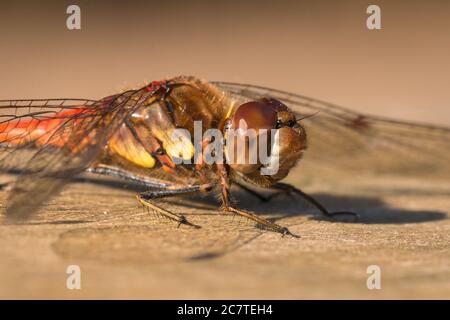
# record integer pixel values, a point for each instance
(256, 114)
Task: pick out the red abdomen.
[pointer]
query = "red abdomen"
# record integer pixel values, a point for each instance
(26, 130)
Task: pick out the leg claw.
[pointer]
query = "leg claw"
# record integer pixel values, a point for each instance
(285, 232)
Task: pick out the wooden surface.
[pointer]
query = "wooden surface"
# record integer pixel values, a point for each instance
(124, 252)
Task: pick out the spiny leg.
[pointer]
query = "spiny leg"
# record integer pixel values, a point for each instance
(228, 206)
(6, 185)
(284, 187)
(262, 197)
(264, 222)
(114, 171)
(146, 199)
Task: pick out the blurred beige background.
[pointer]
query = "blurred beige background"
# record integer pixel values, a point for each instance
(317, 48)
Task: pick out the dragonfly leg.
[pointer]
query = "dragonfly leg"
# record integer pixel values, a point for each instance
(229, 206)
(6, 186)
(260, 196)
(146, 199)
(289, 189)
(123, 174)
(261, 221)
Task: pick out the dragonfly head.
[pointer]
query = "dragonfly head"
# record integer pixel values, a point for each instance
(267, 140)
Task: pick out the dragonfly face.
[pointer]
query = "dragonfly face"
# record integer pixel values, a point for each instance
(275, 126)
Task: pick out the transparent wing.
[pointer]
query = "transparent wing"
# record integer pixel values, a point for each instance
(348, 141)
(22, 125)
(51, 141)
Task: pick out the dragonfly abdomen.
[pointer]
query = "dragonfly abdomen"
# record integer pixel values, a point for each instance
(39, 130)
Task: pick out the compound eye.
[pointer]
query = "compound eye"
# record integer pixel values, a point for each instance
(256, 114)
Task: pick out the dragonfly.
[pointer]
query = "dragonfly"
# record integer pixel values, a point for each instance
(130, 136)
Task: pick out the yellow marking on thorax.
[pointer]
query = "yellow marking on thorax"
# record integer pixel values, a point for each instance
(132, 152)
